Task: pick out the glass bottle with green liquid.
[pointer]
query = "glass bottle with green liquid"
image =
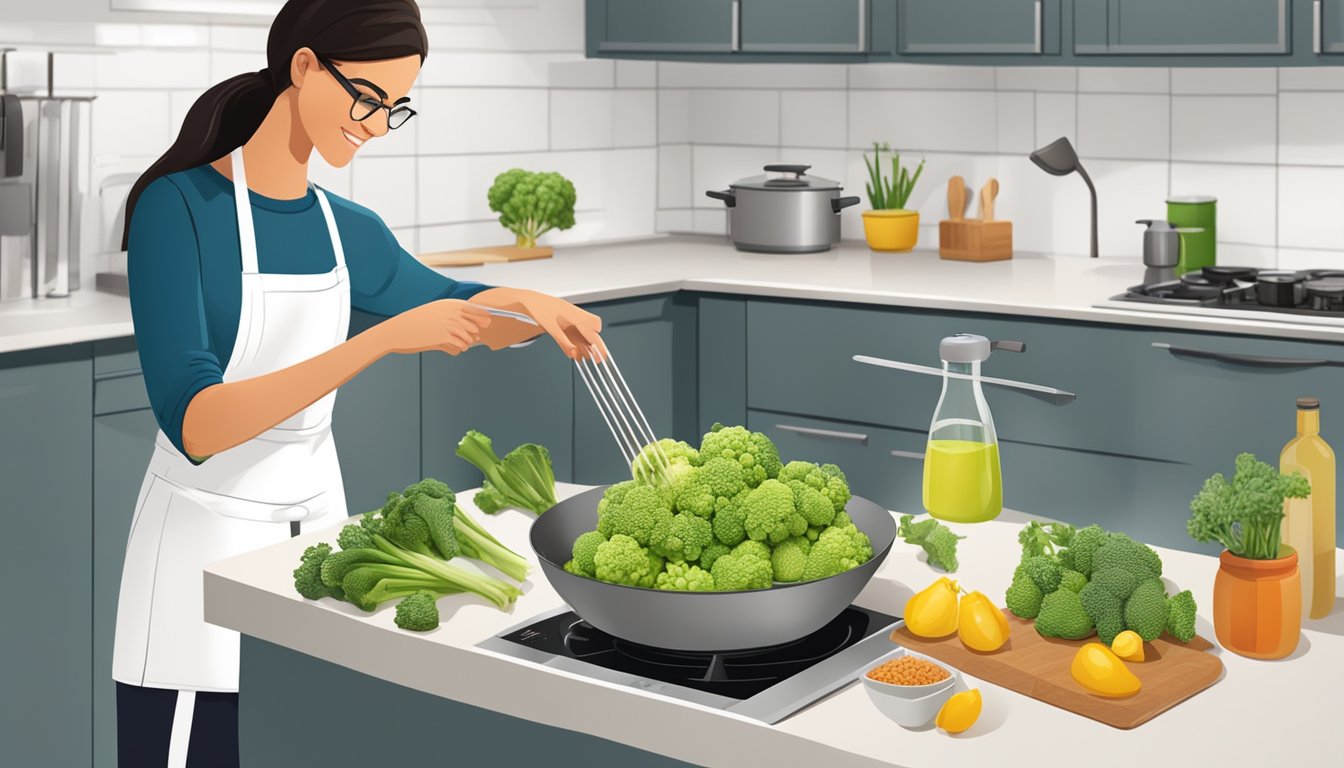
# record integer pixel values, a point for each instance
(963, 482)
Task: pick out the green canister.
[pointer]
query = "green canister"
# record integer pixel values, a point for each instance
(1198, 249)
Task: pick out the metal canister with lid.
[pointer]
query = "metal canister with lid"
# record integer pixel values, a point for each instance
(1199, 249)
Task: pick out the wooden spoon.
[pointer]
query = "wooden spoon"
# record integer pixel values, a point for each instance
(956, 197)
(987, 195)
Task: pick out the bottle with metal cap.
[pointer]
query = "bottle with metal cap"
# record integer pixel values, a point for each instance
(963, 481)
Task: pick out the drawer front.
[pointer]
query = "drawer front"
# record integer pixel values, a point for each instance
(119, 393)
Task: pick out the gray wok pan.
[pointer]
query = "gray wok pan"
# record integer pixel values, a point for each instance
(701, 621)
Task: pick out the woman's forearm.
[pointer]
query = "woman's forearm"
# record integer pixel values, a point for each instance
(222, 416)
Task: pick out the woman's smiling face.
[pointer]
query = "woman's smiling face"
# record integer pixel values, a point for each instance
(325, 104)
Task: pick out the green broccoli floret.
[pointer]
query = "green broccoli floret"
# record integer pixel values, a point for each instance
(418, 612)
(530, 204)
(621, 560)
(656, 565)
(730, 522)
(1062, 615)
(1072, 580)
(683, 577)
(354, 537)
(572, 567)
(1181, 616)
(753, 548)
(524, 478)
(711, 487)
(681, 537)
(1106, 611)
(812, 504)
(713, 552)
(634, 511)
(789, 559)
(813, 532)
(770, 513)
(835, 551)
(1023, 597)
(585, 547)
(937, 540)
(308, 576)
(663, 459)
(1085, 543)
(1045, 571)
(1118, 581)
(1146, 610)
(825, 478)
(1128, 555)
(754, 451)
(734, 572)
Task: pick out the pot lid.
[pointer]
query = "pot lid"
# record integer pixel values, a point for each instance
(785, 177)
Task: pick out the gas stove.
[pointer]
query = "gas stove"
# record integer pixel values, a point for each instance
(766, 684)
(1312, 295)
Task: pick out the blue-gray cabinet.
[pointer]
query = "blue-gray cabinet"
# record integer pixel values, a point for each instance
(1182, 27)
(652, 26)
(804, 26)
(1327, 26)
(978, 26)
(47, 476)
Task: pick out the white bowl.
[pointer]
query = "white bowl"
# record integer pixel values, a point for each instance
(911, 706)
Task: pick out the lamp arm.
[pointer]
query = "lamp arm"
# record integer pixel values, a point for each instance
(1093, 190)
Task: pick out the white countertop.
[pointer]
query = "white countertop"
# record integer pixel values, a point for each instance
(1033, 285)
(1260, 713)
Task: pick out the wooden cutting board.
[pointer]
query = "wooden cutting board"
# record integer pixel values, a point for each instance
(1038, 667)
(473, 257)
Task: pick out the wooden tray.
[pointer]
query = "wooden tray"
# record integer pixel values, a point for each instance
(1038, 667)
(473, 257)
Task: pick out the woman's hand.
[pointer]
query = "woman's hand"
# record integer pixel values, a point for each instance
(450, 325)
(575, 330)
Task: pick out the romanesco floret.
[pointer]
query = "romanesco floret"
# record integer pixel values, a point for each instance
(1023, 597)
(1181, 616)
(754, 451)
(1106, 611)
(1146, 610)
(682, 536)
(789, 559)
(770, 513)
(418, 612)
(711, 487)
(636, 512)
(621, 560)
(585, 547)
(825, 478)
(1072, 581)
(1062, 615)
(682, 577)
(713, 552)
(737, 572)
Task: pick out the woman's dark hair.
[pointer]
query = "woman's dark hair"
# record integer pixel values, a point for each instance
(227, 115)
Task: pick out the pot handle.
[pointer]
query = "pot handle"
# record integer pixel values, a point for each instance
(840, 203)
(787, 168)
(728, 198)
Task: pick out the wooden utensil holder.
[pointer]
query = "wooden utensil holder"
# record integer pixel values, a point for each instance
(975, 240)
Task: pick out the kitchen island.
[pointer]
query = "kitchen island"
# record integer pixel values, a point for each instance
(308, 666)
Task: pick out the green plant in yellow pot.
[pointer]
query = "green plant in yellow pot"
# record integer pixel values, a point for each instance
(889, 226)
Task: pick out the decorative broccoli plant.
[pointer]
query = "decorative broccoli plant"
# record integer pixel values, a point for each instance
(889, 193)
(530, 204)
(1245, 514)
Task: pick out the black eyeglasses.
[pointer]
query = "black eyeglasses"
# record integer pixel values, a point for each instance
(366, 105)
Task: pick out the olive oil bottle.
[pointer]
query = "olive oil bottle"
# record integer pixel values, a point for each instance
(1309, 524)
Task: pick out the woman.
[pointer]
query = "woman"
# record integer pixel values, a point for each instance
(242, 276)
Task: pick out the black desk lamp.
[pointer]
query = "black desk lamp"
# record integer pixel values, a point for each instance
(1059, 159)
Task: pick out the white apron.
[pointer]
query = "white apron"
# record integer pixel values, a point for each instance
(189, 516)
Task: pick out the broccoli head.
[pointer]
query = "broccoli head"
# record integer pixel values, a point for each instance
(753, 548)
(1181, 616)
(1045, 571)
(308, 576)
(1105, 610)
(621, 560)
(827, 479)
(754, 451)
(354, 537)
(531, 204)
(730, 522)
(1023, 597)
(1120, 551)
(1146, 610)
(1117, 581)
(656, 565)
(1085, 543)
(734, 572)
(1073, 581)
(771, 515)
(1062, 615)
(683, 577)
(634, 510)
(789, 558)
(713, 552)
(681, 537)
(834, 551)
(710, 487)
(585, 548)
(812, 504)
(418, 612)
(660, 457)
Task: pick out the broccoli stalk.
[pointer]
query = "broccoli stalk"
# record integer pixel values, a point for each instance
(524, 478)
(386, 571)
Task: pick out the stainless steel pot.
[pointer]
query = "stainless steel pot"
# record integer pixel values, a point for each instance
(784, 214)
(701, 621)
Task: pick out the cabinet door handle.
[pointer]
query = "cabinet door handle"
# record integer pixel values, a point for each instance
(829, 434)
(863, 26)
(1258, 361)
(736, 42)
(908, 455)
(1316, 31)
(1040, 28)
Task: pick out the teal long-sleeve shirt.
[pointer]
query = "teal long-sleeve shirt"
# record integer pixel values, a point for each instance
(185, 267)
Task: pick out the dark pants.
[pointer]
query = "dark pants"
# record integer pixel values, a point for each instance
(145, 727)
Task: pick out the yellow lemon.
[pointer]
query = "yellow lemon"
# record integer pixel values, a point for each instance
(960, 712)
(1128, 646)
(981, 626)
(1100, 671)
(932, 612)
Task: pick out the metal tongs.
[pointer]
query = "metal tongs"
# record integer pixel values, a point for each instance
(617, 405)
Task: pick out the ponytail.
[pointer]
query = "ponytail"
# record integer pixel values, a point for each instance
(226, 115)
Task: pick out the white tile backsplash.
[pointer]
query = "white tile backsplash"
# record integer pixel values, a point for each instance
(674, 123)
(479, 68)
(635, 118)
(676, 74)
(934, 121)
(1311, 79)
(813, 118)
(674, 176)
(1056, 116)
(734, 117)
(636, 74)
(674, 220)
(1310, 128)
(1017, 122)
(1124, 80)
(585, 73)
(1124, 126)
(1237, 129)
(474, 120)
(920, 76)
(581, 119)
(1246, 198)
(1227, 80)
(1309, 207)
(1064, 79)
(709, 222)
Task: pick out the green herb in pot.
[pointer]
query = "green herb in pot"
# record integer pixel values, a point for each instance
(889, 193)
(1245, 515)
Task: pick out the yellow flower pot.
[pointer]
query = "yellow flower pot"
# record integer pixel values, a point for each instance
(891, 230)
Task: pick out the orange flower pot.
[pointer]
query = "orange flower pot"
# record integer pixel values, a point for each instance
(1257, 605)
